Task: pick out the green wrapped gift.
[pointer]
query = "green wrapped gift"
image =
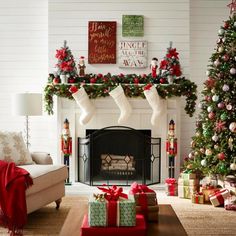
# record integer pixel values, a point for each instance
(188, 182)
(98, 212)
(188, 175)
(186, 191)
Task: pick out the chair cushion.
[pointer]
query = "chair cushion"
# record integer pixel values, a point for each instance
(13, 148)
(45, 176)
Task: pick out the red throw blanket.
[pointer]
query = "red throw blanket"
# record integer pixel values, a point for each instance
(13, 183)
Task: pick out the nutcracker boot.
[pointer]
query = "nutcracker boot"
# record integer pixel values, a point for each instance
(122, 102)
(155, 102)
(83, 101)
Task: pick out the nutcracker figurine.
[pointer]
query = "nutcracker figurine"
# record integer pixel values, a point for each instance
(82, 67)
(171, 148)
(154, 67)
(66, 146)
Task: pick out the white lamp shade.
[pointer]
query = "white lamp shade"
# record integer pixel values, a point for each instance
(27, 104)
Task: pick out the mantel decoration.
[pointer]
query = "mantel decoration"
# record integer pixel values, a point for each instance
(134, 85)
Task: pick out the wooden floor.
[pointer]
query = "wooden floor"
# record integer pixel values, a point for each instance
(168, 225)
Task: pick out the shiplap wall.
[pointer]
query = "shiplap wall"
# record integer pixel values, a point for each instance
(191, 24)
(24, 64)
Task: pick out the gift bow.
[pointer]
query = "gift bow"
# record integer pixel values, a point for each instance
(171, 181)
(140, 188)
(113, 193)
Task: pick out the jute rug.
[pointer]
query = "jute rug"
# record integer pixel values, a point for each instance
(196, 219)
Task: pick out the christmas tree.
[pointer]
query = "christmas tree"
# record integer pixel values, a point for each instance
(170, 70)
(66, 65)
(214, 143)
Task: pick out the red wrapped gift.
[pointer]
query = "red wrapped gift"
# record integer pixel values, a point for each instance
(171, 187)
(230, 203)
(218, 197)
(138, 230)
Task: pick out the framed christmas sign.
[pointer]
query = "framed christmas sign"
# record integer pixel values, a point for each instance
(102, 42)
(132, 26)
(133, 54)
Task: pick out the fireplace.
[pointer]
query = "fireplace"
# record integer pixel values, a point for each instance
(119, 155)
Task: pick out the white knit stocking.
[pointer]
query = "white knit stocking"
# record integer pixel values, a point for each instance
(122, 102)
(86, 106)
(155, 102)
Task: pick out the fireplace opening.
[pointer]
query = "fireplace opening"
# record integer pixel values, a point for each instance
(119, 155)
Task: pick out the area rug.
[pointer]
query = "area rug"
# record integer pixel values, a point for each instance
(196, 219)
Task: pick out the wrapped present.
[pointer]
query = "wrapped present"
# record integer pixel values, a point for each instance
(188, 176)
(171, 187)
(186, 191)
(207, 190)
(188, 182)
(230, 203)
(143, 195)
(138, 230)
(152, 212)
(231, 186)
(219, 197)
(114, 209)
(198, 198)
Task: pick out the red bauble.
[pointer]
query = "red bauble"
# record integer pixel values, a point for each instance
(221, 156)
(56, 80)
(93, 80)
(226, 25)
(211, 115)
(162, 80)
(71, 80)
(73, 89)
(99, 75)
(144, 75)
(136, 80)
(226, 57)
(208, 98)
(121, 75)
(210, 82)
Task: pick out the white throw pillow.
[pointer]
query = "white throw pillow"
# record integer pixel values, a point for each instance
(13, 148)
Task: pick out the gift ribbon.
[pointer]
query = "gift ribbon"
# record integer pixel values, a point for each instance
(219, 195)
(186, 191)
(171, 186)
(141, 189)
(112, 196)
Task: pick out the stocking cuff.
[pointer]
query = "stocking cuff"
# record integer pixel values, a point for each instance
(117, 92)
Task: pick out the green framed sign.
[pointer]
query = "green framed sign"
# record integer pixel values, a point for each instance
(132, 26)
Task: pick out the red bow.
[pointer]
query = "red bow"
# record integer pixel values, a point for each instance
(171, 181)
(140, 188)
(113, 193)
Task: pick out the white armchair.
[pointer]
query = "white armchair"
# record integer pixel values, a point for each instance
(48, 182)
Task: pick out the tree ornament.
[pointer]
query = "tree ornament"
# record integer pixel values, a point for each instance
(207, 73)
(197, 134)
(210, 82)
(213, 90)
(222, 168)
(229, 107)
(193, 143)
(220, 125)
(226, 57)
(206, 133)
(189, 166)
(216, 146)
(215, 98)
(208, 98)
(226, 25)
(217, 62)
(219, 41)
(232, 127)
(196, 153)
(225, 87)
(211, 115)
(210, 108)
(235, 24)
(230, 143)
(204, 162)
(220, 49)
(232, 71)
(200, 105)
(208, 152)
(215, 138)
(190, 155)
(233, 166)
(221, 105)
(221, 156)
(223, 116)
(202, 150)
(221, 32)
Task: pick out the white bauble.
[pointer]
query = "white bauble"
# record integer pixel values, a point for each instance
(233, 166)
(221, 31)
(217, 62)
(232, 127)
(200, 105)
(209, 109)
(232, 71)
(204, 162)
(215, 138)
(207, 73)
(225, 88)
(215, 98)
(234, 24)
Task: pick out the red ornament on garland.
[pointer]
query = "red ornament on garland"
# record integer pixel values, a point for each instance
(93, 80)
(136, 81)
(73, 89)
(221, 156)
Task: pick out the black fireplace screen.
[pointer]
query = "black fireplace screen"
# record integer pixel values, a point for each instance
(119, 155)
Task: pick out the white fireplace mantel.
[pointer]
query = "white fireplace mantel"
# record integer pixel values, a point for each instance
(107, 114)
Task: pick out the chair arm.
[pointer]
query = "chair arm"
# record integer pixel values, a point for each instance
(41, 158)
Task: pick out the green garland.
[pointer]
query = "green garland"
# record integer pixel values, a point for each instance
(100, 85)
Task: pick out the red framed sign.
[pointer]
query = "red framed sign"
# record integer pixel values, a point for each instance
(102, 42)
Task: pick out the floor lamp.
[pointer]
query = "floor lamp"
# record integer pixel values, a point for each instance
(27, 104)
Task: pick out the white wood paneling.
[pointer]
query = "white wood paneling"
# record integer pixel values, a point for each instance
(24, 65)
